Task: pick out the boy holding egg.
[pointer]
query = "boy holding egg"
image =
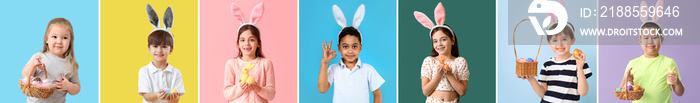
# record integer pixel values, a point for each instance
(158, 77)
(562, 78)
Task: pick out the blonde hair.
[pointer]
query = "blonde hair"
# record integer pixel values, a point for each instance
(69, 53)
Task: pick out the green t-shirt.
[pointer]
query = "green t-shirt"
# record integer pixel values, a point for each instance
(650, 74)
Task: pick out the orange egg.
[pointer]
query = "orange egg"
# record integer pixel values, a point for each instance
(637, 87)
(577, 53)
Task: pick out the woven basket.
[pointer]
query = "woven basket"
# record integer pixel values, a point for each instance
(35, 91)
(525, 68)
(629, 95)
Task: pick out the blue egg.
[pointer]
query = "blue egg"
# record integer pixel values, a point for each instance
(618, 89)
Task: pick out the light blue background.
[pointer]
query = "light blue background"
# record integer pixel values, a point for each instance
(23, 23)
(514, 90)
(316, 23)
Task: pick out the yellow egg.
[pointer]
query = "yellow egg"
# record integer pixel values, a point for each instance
(173, 91)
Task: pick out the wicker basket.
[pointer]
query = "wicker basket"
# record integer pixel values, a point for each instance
(525, 68)
(36, 91)
(629, 95)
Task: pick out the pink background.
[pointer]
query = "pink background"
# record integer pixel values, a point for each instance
(278, 28)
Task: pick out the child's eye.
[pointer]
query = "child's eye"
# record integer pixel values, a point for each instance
(354, 46)
(444, 39)
(434, 41)
(65, 37)
(345, 46)
(242, 40)
(554, 40)
(252, 40)
(54, 37)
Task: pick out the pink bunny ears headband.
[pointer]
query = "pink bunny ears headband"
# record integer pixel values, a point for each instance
(655, 18)
(554, 18)
(357, 19)
(439, 19)
(255, 15)
(167, 20)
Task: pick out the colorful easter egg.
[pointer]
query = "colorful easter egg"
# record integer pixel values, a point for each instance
(630, 87)
(637, 87)
(173, 91)
(618, 89)
(530, 60)
(167, 91)
(577, 53)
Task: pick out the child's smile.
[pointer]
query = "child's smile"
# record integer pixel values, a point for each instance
(248, 43)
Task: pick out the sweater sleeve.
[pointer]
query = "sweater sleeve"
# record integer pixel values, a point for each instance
(232, 90)
(267, 91)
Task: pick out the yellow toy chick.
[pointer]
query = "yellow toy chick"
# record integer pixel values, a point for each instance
(244, 74)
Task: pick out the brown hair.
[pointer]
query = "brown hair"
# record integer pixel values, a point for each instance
(256, 33)
(161, 37)
(70, 54)
(455, 48)
(567, 30)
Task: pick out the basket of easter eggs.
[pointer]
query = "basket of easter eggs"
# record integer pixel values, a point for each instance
(629, 92)
(525, 67)
(36, 87)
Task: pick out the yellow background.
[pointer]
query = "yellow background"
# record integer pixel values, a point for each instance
(124, 33)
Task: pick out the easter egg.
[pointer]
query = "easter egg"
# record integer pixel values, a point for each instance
(173, 91)
(630, 87)
(637, 87)
(577, 53)
(530, 60)
(167, 91)
(521, 60)
(618, 89)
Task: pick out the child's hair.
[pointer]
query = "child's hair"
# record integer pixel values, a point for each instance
(160, 37)
(256, 33)
(568, 30)
(349, 31)
(446, 31)
(69, 53)
(652, 25)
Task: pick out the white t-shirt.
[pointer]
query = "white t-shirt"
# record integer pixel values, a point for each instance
(152, 79)
(351, 85)
(56, 67)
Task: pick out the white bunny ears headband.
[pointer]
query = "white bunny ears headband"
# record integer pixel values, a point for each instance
(357, 19)
(655, 18)
(439, 19)
(167, 19)
(255, 15)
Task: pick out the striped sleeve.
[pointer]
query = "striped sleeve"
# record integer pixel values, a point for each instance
(587, 71)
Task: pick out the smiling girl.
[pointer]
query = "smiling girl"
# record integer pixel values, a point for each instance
(57, 56)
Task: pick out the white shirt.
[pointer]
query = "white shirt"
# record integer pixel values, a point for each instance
(152, 79)
(351, 85)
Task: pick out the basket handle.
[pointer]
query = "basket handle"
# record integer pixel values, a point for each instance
(34, 69)
(538, 48)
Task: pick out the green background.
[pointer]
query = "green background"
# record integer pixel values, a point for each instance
(474, 23)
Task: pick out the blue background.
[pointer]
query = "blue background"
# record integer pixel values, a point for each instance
(23, 25)
(316, 23)
(514, 90)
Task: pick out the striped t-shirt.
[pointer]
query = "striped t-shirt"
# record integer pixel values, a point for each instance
(561, 80)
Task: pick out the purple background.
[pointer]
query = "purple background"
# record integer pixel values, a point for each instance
(614, 59)
(688, 20)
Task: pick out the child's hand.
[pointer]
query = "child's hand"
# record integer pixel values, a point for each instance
(63, 84)
(328, 53)
(629, 75)
(174, 97)
(580, 61)
(36, 61)
(161, 94)
(672, 77)
(525, 76)
(439, 72)
(245, 86)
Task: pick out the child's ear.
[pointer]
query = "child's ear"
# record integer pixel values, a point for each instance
(573, 40)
